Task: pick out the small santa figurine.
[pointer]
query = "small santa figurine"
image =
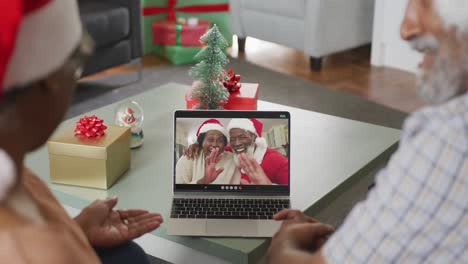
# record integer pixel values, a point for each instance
(131, 115)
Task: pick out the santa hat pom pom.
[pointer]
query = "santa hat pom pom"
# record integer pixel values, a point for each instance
(7, 174)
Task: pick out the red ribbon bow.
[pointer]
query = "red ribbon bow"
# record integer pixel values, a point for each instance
(232, 83)
(171, 9)
(90, 127)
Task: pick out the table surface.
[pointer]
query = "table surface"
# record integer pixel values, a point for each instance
(326, 151)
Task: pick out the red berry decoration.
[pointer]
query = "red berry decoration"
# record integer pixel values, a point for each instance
(232, 83)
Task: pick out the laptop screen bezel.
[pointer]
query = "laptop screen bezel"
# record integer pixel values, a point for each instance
(246, 189)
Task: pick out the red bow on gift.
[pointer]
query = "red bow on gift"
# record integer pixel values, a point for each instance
(232, 83)
(171, 9)
(90, 127)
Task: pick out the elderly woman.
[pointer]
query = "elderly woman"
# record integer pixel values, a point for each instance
(42, 48)
(212, 165)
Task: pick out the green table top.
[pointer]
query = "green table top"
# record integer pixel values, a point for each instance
(327, 151)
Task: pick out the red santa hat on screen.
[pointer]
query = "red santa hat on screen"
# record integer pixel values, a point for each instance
(453, 13)
(36, 37)
(256, 127)
(211, 124)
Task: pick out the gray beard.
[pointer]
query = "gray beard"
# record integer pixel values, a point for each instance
(250, 153)
(444, 81)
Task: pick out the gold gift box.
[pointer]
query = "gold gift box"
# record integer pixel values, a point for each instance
(94, 162)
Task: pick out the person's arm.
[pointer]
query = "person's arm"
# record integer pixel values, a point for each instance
(192, 151)
(43, 244)
(184, 171)
(282, 171)
(413, 200)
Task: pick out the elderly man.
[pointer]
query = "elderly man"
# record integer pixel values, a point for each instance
(42, 47)
(259, 164)
(417, 212)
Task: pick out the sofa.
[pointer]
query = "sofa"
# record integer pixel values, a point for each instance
(316, 27)
(115, 26)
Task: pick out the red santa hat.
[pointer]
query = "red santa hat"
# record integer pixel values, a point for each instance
(252, 125)
(36, 37)
(211, 124)
(453, 13)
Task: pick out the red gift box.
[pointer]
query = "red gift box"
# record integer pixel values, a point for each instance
(245, 99)
(171, 33)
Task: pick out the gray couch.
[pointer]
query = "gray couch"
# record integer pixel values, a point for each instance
(316, 27)
(115, 26)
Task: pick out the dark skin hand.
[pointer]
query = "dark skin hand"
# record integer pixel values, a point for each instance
(298, 238)
(105, 227)
(192, 151)
(253, 170)
(211, 173)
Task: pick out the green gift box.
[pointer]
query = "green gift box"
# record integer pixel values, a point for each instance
(179, 54)
(215, 11)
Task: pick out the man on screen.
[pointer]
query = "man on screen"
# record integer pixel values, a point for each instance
(259, 164)
(211, 164)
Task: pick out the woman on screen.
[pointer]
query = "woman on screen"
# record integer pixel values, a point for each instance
(212, 165)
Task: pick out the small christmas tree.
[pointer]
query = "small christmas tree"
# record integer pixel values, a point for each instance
(209, 73)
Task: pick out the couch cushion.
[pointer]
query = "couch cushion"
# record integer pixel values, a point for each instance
(106, 22)
(288, 8)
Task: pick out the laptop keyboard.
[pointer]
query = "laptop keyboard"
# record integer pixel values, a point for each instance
(227, 208)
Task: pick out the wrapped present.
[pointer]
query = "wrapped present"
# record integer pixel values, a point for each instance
(95, 161)
(167, 32)
(215, 11)
(244, 99)
(180, 55)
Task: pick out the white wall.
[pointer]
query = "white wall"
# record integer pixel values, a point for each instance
(388, 49)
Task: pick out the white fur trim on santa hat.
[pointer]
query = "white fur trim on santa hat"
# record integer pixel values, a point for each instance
(453, 13)
(212, 126)
(260, 150)
(242, 123)
(7, 174)
(46, 38)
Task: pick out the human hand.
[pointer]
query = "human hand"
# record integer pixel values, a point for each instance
(192, 151)
(211, 173)
(105, 227)
(298, 237)
(253, 170)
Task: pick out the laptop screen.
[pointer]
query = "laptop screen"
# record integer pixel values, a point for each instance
(232, 151)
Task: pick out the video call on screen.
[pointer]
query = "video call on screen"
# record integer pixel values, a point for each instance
(214, 156)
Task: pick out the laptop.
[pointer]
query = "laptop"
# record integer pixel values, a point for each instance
(213, 194)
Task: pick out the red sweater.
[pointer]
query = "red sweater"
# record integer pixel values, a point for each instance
(275, 166)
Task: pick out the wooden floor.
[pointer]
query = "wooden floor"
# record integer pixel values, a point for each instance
(349, 72)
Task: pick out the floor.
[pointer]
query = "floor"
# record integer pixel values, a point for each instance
(348, 71)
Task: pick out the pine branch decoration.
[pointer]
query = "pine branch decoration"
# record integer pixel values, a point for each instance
(209, 73)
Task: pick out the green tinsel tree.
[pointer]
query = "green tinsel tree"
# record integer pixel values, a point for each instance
(209, 72)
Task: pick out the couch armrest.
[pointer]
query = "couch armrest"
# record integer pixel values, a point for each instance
(235, 18)
(336, 25)
(136, 39)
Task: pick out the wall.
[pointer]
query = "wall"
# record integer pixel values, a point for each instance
(387, 47)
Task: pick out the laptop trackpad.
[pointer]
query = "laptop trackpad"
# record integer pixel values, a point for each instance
(231, 227)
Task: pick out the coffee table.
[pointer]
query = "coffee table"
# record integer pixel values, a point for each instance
(327, 153)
